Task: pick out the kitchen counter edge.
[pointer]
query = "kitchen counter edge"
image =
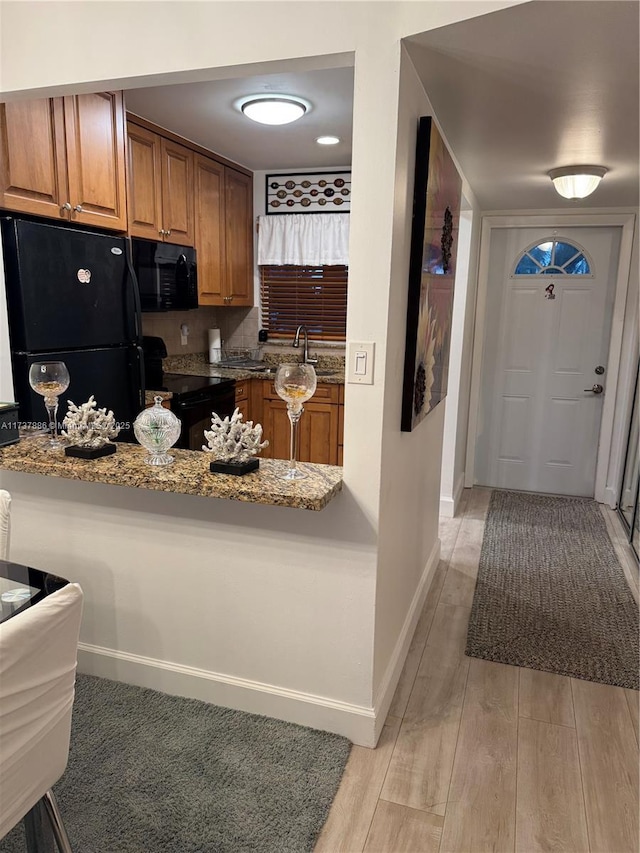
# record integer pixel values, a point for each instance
(189, 474)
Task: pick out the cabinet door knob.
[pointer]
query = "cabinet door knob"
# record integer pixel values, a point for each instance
(161, 232)
(168, 233)
(65, 206)
(78, 208)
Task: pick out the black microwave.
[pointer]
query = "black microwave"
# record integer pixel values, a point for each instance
(167, 275)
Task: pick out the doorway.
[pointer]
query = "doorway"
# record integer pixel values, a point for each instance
(549, 304)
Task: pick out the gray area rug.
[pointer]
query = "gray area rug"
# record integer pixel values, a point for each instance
(550, 592)
(151, 773)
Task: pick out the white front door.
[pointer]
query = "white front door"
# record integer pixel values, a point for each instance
(545, 357)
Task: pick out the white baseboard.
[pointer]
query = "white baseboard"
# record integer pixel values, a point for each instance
(449, 503)
(386, 690)
(355, 722)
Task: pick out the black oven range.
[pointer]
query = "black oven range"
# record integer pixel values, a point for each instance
(193, 400)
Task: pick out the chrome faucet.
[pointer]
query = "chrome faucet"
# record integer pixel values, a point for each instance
(296, 343)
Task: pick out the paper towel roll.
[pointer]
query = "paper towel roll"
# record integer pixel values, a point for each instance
(215, 350)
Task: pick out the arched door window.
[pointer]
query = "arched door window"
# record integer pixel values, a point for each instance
(553, 257)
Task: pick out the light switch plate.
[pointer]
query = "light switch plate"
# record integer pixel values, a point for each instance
(360, 358)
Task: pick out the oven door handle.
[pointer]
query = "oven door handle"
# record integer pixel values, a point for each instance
(189, 406)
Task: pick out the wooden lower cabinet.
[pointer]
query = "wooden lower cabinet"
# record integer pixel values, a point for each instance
(243, 390)
(318, 428)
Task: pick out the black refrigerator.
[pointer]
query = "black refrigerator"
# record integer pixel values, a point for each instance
(72, 296)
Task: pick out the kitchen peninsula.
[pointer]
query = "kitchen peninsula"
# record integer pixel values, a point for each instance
(188, 475)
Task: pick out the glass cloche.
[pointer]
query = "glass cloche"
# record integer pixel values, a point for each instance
(157, 429)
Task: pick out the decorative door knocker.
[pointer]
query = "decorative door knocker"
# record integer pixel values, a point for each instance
(549, 292)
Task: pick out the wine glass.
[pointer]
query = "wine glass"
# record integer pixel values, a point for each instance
(295, 384)
(50, 378)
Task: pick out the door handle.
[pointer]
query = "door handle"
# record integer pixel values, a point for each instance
(595, 389)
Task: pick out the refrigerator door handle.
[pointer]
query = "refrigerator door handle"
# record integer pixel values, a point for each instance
(137, 315)
(141, 386)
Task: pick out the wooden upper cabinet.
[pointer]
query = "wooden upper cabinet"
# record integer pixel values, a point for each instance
(94, 126)
(65, 157)
(160, 183)
(144, 182)
(224, 241)
(177, 193)
(33, 166)
(210, 230)
(238, 237)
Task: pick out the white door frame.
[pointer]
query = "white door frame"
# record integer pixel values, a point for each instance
(626, 221)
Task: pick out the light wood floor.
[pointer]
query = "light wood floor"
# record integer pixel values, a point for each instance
(478, 756)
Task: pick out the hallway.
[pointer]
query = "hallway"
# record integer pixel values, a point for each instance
(478, 756)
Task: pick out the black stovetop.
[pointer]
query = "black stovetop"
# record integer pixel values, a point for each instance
(181, 386)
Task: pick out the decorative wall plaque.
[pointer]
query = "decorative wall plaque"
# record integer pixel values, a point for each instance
(432, 267)
(308, 192)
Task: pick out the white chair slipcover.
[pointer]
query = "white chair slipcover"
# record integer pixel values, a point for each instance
(5, 524)
(38, 653)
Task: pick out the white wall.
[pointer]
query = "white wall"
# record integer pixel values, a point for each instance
(626, 377)
(452, 479)
(43, 45)
(291, 611)
(238, 604)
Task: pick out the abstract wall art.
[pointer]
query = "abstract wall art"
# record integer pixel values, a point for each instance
(309, 192)
(432, 267)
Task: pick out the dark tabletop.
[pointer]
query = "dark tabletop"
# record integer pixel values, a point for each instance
(23, 586)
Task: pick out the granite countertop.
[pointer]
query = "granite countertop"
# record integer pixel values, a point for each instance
(330, 369)
(188, 475)
(195, 364)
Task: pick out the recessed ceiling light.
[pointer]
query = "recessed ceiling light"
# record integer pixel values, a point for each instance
(328, 140)
(576, 181)
(273, 109)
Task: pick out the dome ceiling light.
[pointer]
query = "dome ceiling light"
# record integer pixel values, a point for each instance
(576, 181)
(328, 140)
(273, 109)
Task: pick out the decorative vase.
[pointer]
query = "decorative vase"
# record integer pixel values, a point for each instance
(157, 429)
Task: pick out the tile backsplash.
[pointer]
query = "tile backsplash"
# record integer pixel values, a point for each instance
(238, 327)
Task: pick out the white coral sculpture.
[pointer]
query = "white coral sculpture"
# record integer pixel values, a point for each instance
(230, 440)
(88, 426)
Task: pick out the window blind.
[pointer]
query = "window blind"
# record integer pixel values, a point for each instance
(313, 295)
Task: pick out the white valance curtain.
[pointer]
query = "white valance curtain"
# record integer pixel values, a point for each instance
(303, 239)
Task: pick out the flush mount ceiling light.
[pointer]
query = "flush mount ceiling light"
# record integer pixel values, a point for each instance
(328, 140)
(273, 109)
(576, 181)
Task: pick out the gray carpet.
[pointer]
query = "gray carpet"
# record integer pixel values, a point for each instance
(550, 592)
(150, 773)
